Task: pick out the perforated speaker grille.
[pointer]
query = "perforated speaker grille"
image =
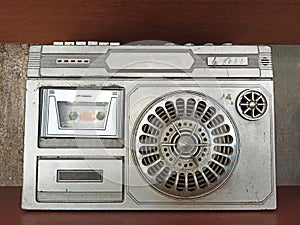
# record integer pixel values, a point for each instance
(185, 144)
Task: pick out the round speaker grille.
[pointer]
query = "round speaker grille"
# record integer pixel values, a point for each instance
(185, 144)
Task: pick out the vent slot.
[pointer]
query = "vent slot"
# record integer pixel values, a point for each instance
(145, 150)
(209, 175)
(200, 179)
(34, 60)
(150, 159)
(162, 114)
(150, 130)
(144, 139)
(180, 107)
(227, 139)
(155, 121)
(217, 168)
(162, 175)
(224, 149)
(191, 182)
(190, 106)
(221, 159)
(155, 168)
(265, 60)
(200, 109)
(181, 182)
(221, 130)
(216, 121)
(171, 180)
(171, 109)
(211, 111)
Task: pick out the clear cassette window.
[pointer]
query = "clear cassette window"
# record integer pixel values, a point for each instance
(82, 115)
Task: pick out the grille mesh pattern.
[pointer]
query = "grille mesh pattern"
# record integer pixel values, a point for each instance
(185, 144)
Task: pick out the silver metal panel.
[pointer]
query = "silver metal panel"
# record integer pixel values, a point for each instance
(251, 182)
(251, 186)
(235, 49)
(84, 198)
(153, 60)
(197, 72)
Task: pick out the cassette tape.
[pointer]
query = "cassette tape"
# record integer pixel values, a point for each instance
(69, 113)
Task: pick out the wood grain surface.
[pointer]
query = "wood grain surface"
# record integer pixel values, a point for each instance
(178, 21)
(286, 214)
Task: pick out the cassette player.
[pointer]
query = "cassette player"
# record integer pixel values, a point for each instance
(81, 114)
(149, 127)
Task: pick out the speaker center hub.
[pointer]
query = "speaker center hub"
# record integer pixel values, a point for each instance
(185, 144)
(252, 104)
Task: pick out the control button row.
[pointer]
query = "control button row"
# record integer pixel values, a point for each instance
(82, 43)
(224, 44)
(110, 43)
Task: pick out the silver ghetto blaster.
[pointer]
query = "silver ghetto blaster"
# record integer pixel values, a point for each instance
(149, 127)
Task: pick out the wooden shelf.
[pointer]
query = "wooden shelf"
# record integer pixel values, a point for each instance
(287, 213)
(240, 22)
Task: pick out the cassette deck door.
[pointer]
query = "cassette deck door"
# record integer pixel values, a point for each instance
(80, 180)
(77, 113)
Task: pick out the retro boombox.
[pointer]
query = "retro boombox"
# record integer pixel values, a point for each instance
(149, 126)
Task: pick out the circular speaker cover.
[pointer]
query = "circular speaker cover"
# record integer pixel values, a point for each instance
(251, 105)
(185, 144)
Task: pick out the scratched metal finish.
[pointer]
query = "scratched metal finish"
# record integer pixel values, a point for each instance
(13, 59)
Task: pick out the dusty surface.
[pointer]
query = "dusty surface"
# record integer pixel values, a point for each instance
(286, 63)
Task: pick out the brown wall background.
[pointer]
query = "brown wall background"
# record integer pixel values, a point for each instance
(178, 21)
(13, 59)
